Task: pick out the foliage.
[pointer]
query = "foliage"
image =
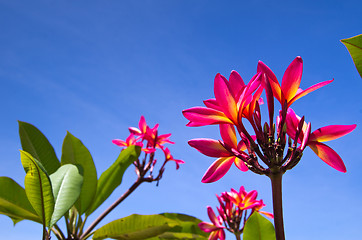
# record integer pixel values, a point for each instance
(70, 188)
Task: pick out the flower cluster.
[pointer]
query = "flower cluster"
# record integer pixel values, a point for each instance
(234, 210)
(235, 101)
(148, 139)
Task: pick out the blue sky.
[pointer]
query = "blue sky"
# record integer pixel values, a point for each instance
(94, 67)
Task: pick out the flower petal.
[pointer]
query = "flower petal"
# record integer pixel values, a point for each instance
(292, 122)
(201, 116)
(224, 97)
(236, 82)
(207, 227)
(331, 132)
(209, 147)
(328, 155)
(142, 124)
(212, 103)
(240, 164)
(291, 78)
(308, 90)
(119, 142)
(213, 218)
(269, 215)
(277, 91)
(218, 169)
(228, 135)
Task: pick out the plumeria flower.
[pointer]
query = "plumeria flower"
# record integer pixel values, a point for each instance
(132, 141)
(247, 200)
(315, 138)
(289, 91)
(234, 210)
(215, 228)
(244, 200)
(150, 134)
(231, 98)
(225, 152)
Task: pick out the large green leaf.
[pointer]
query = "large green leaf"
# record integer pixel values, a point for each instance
(186, 224)
(14, 203)
(258, 227)
(135, 227)
(187, 228)
(38, 188)
(354, 46)
(74, 152)
(112, 177)
(66, 183)
(176, 235)
(35, 143)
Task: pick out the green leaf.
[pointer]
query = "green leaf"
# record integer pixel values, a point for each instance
(186, 224)
(112, 177)
(152, 227)
(66, 183)
(187, 228)
(175, 235)
(38, 188)
(354, 46)
(35, 143)
(74, 152)
(14, 203)
(135, 227)
(258, 227)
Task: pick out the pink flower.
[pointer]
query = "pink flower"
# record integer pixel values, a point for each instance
(314, 140)
(130, 141)
(215, 228)
(289, 91)
(234, 210)
(225, 152)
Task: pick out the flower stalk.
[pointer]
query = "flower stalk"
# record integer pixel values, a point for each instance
(276, 182)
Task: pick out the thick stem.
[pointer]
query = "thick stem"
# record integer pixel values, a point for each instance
(237, 236)
(276, 181)
(110, 208)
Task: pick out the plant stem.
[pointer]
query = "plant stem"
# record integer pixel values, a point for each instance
(237, 236)
(276, 181)
(110, 208)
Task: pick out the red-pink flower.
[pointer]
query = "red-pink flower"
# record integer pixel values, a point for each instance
(231, 98)
(314, 139)
(215, 228)
(289, 91)
(225, 152)
(247, 200)
(130, 141)
(150, 134)
(234, 210)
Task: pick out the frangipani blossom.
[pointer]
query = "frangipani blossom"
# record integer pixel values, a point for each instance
(149, 140)
(231, 98)
(225, 152)
(289, 91)
(216, 229)
(234, 210)
(315, 139)
(130, 141)
(247, 200)
(150, 134)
